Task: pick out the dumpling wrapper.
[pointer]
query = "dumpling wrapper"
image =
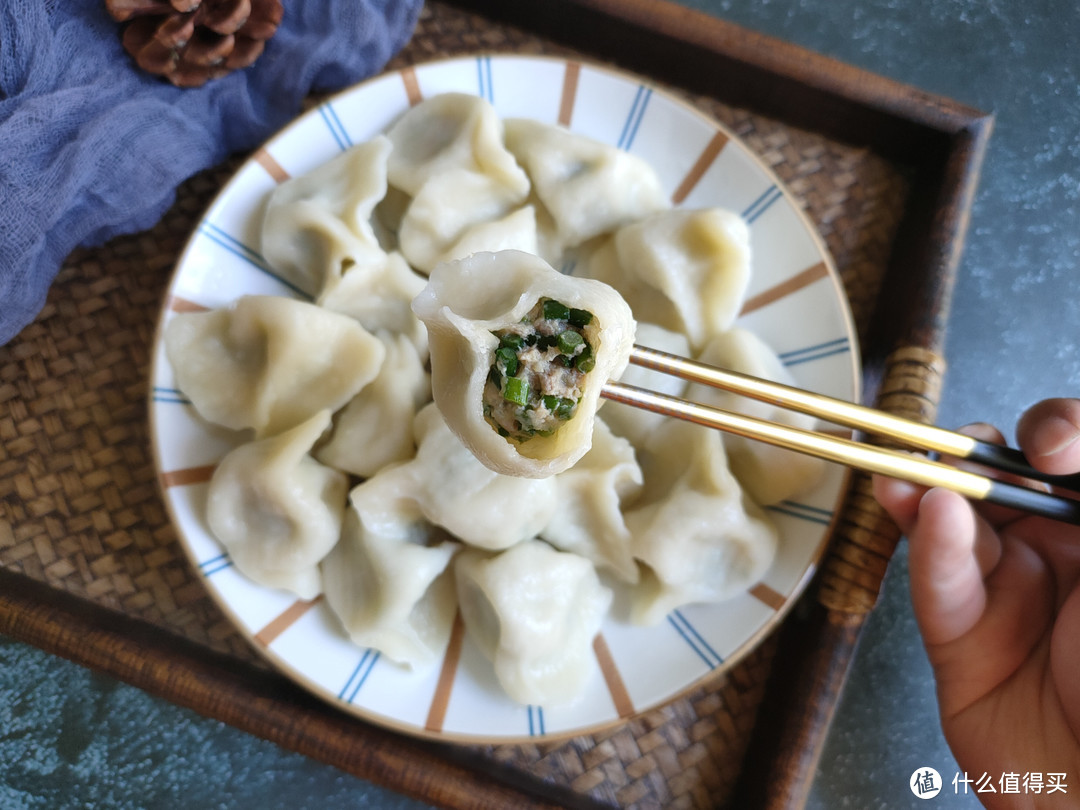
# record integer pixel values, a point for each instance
(268, 362)
(769, 474)
(462, 305)
(276, 510)
(534, 612)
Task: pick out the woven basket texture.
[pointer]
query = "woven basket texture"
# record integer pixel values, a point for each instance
(80, 507)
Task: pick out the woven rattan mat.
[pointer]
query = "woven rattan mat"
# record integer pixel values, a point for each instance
(80, 507)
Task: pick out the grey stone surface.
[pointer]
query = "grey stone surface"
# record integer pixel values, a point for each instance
(70, 739)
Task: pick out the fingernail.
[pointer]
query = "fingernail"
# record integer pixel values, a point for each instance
(1059, 434)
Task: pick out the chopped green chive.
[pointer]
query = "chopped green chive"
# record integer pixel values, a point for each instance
(585, 362)
(556, 311)
(509, 359)
(516, 391)
(579, 317)
(569, 341)
(511, 340)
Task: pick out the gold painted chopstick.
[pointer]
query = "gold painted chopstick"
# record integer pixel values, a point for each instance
(915, 435)
(893, 463)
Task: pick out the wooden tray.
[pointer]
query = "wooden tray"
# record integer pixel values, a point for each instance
(90, 568)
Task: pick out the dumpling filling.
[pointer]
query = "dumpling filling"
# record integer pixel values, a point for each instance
(538, 371)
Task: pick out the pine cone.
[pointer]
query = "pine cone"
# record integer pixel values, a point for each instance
(191, 41)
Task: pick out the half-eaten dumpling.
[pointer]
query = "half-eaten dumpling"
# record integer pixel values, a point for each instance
(519, 354)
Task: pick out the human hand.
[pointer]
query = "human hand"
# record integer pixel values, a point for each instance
(996, 594)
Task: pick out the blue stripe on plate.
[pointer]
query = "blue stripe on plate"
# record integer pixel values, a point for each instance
(333, 123)
(696, 641)
(251, 256)
(762, 204)
(536, 721)
(215, 564)
(633, 120)
(169, 395)
(815, 352)
(359, 675)
(803, 511)
(486, 89)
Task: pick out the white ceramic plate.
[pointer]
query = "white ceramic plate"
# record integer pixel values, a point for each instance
(795, 303)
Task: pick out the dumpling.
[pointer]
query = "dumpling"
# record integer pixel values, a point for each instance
(317, 224)
(470, 501)
(589, 519)
(462, 212)
(376, 427)
(450, 132)
(276, 510)
(467, 190)
(701, 539)
(588, 188)
(269, 363)
(388, 579)
(534, 612)
(637, 424)
(519, 354)
(378, 293)
(685, 270)
(769, 474)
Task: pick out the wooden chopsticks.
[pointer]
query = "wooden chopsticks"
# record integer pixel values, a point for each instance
(893, 463)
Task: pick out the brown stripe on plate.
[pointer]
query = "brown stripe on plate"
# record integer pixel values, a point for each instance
(713, 148)
(279, 624)
(178, 304)
(412, 86)
(441, 699)
(763, 593)
(619, 696)
(786, 288)
(187, 477)
(569, 92)
(273, 168)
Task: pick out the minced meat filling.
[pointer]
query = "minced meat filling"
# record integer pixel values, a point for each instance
(538, 371)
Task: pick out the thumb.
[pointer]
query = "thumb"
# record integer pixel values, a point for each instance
(1049, 435)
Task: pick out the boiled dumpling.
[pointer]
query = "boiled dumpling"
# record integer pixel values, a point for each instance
(376, 427)
(588, 188)
(276, 510)
(470, 501)
(637, 424)
(387, 580)
(449, 132)
(534, 612)
(378, 293)
(589, 519)
(769, 474)
(269, 363)
(316, 225)
(467, 190)
(685, 270)
(519, 354)
(699, 536)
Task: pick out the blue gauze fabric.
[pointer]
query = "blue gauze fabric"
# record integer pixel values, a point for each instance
(91, 147)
